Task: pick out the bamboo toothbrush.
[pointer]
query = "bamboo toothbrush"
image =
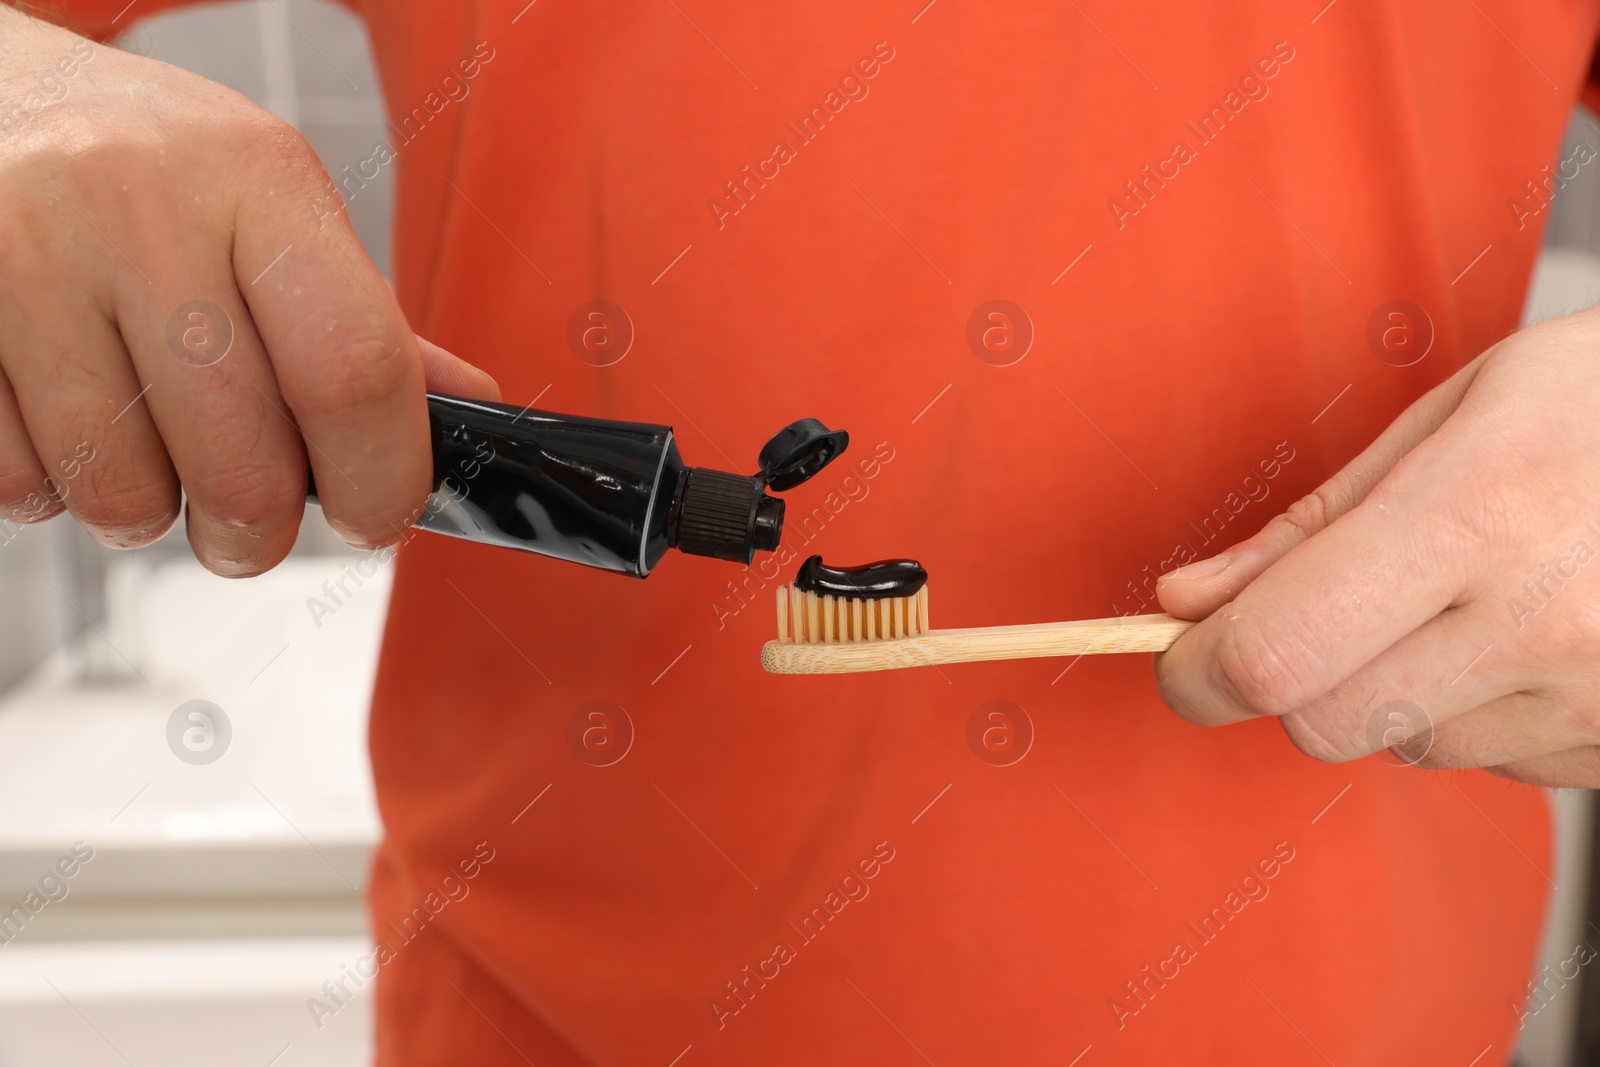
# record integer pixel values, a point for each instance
(824, 629)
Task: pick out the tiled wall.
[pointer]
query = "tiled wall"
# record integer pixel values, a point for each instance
(1575, 212)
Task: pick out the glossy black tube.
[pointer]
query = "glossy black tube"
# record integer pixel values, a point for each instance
(605, 494)
(584, 490)
(591, 491)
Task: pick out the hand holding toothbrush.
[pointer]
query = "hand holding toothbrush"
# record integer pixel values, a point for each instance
(1439, 595)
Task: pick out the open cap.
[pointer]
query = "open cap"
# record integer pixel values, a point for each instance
(798, 452)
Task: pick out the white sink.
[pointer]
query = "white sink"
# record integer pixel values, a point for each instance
(287, 808)
(181, 1004)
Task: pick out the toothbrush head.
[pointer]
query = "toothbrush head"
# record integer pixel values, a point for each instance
(841, 605)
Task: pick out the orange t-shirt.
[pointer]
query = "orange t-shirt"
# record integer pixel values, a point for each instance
(1198, 215)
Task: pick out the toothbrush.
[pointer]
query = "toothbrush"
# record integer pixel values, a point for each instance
(875, 618)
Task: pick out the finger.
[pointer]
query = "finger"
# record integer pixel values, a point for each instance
(348, 366)
(1424, 682)
(78, 397)
(454, 376)
(24, 496)
(1575, 768)
(1196, 590)
(1336, 601)
(215, 402)
(1515, 728)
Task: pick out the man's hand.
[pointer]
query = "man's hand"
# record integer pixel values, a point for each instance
(1440, 594)
(183, 303)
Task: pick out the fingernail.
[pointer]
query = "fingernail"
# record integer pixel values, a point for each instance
(1206, 568)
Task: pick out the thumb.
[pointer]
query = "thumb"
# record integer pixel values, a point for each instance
(1196, 590)
(447, 373)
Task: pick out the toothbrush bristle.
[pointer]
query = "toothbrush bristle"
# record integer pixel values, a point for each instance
(806, 618)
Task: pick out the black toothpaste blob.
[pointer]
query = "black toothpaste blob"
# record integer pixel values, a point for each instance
(870, 581)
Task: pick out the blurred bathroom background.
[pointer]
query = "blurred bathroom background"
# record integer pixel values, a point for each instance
(223, 893)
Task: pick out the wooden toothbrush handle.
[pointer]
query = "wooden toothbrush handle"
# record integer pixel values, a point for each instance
(1091, 637)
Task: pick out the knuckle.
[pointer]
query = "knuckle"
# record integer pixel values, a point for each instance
(24, 496)
(363, 368)
(371, 528)
(1318, 744)
(248, 496)
(36, 506)
(1310, 514)
(130, 511)
(273, 140)
(281, 152)
(1266, 674)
